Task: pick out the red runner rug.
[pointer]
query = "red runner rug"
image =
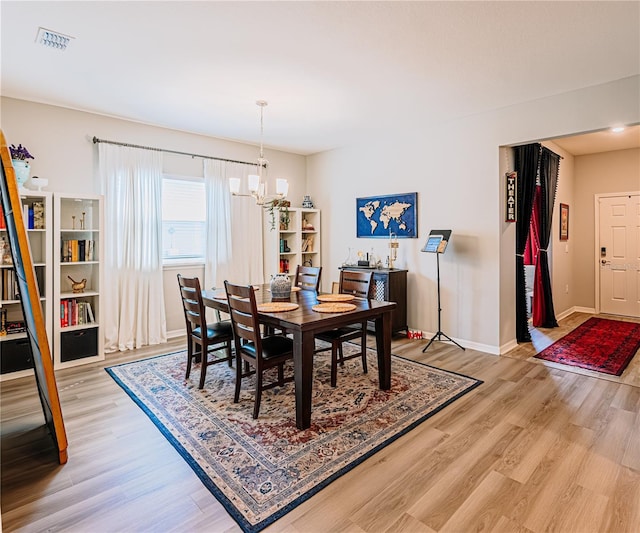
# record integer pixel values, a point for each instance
(599, 344)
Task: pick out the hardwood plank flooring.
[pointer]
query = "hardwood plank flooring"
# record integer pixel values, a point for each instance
(538, 447)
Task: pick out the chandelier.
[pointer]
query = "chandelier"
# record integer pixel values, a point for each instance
(257, 183)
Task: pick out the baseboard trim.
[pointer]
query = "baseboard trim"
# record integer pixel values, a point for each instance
(176, 333)
(508, 346)
(575, 309)
(591, 310)
(486, 348)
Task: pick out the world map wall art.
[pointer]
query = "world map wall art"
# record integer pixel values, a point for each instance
(379, 216)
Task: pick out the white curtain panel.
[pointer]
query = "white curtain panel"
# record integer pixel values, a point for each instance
(218, 250)
(234, 223)
(134, 300)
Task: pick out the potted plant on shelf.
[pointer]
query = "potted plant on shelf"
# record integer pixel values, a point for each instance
(19, 160)
(283, 206)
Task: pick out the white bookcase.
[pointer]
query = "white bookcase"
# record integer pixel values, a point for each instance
(77, 332)
(15, 353)
(295, 240)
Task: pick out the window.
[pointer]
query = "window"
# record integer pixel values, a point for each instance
(183, 219)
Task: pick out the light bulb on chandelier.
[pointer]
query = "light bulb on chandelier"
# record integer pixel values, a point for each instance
(256, 183)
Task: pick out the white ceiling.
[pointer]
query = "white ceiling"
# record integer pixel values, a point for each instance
(601, 141)
(331, 71)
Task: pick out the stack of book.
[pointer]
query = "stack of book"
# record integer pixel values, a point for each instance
(75, 313)
(284, 266)
(33, 215)
(3, 321)
(16, 326)
(73, 251)
(9, 285)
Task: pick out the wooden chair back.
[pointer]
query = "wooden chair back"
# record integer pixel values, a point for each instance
(194, 311)
(308, 278)
(244, 315)
(199, 334)
(356, 283)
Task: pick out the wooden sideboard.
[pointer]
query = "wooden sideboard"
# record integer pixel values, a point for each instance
(389, 285)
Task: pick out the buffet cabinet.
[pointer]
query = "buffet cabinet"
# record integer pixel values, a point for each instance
(389, 285)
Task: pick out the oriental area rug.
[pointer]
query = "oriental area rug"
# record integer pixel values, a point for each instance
(598, 344)
(261, 469)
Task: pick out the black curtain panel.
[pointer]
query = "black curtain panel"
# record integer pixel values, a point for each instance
(543, 312)
(526, 158)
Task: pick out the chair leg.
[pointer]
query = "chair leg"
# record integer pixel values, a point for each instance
(256, 405)
(334, 364)
(229, 354)
(236, 397)
(363, 342)
(281, 374)
(203, 368)
(189, 358)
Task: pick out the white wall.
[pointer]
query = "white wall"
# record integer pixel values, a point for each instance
(455, 168)
(562, 253)
(60, 141)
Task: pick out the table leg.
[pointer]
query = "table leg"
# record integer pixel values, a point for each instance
(303, 346)
(383, 345)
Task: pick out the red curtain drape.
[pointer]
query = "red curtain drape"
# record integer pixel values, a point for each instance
(533, 241)
(537, 303)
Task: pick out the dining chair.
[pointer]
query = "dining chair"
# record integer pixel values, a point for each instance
(253, 349)
(359, 284)
(215, 334)
(308, 278)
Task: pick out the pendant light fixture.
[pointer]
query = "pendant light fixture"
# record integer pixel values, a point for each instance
(257, 183)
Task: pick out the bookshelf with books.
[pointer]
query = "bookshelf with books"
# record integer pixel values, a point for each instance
(294, 241)
(15, 351)
(310, 237)
(77, 279)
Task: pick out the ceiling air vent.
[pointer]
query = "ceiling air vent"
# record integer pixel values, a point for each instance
(53, 39)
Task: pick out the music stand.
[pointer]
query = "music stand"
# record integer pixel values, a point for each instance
(437, 244)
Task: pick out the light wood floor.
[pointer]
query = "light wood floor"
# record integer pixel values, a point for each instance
(534, 449)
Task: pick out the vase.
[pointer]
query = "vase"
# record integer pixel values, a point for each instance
(37, 184)
(280, 286)
(22, 169)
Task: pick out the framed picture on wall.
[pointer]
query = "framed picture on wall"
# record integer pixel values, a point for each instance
(380, 216)
(564, 222)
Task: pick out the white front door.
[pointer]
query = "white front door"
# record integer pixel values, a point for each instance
(619, 255)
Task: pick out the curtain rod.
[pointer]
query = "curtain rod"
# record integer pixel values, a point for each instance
(96, 141)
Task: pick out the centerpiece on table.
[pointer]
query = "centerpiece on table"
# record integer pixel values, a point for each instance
(280, 287)
(19, 160)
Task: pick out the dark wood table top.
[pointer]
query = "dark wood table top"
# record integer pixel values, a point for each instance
(304, 318)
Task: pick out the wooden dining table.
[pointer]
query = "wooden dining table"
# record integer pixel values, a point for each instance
(303, 323)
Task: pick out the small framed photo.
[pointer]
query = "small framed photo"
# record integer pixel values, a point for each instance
(564, 222)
